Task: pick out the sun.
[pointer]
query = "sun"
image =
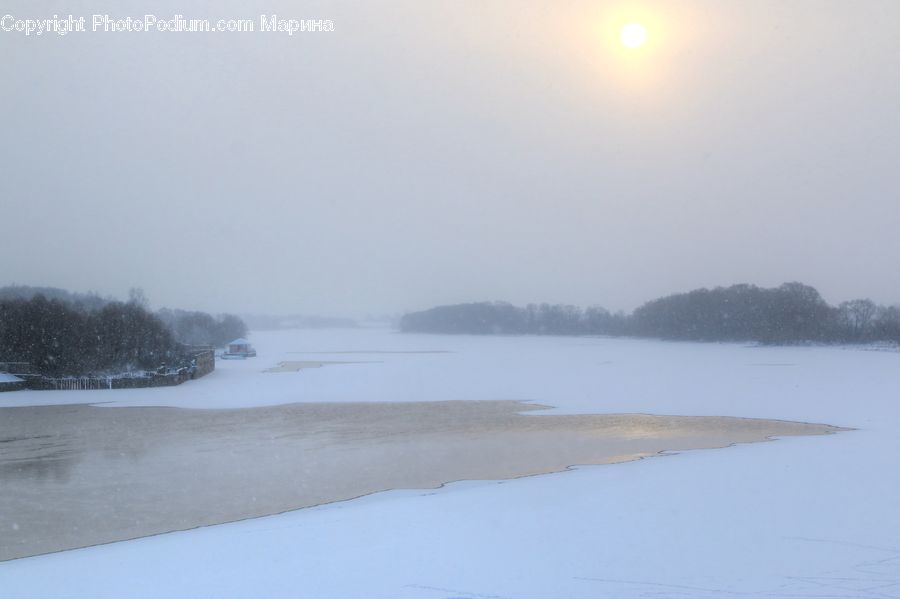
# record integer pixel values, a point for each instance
(633, 35)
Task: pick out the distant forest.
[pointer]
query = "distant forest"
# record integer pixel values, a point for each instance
(791, 313)
(63, 333)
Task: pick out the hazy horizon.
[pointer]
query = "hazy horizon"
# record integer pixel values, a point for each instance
(427, 153)
(156, 305)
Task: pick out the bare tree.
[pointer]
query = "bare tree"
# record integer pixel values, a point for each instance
(857, 317)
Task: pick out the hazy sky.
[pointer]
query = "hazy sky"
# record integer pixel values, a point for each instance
(432, 152)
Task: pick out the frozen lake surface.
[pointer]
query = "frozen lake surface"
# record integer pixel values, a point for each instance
(811, 516)
(118, 474)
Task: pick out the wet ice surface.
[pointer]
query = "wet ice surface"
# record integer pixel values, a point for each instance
(73, 476)
(803, 516)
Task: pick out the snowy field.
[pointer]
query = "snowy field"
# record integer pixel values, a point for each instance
(799, 517)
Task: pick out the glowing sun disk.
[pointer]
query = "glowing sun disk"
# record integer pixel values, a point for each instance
(633, 35)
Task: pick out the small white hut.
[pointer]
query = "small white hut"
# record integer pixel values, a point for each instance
(240, 349)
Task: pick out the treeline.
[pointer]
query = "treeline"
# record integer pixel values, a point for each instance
(791, 313)
(76, 334)
(200, 328)
(83, 301)
(60, 339)
(500, 318)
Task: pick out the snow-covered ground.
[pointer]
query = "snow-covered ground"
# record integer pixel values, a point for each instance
(8, 378)
(807, 517)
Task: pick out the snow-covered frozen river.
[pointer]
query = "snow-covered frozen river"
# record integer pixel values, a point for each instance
(812, 516)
